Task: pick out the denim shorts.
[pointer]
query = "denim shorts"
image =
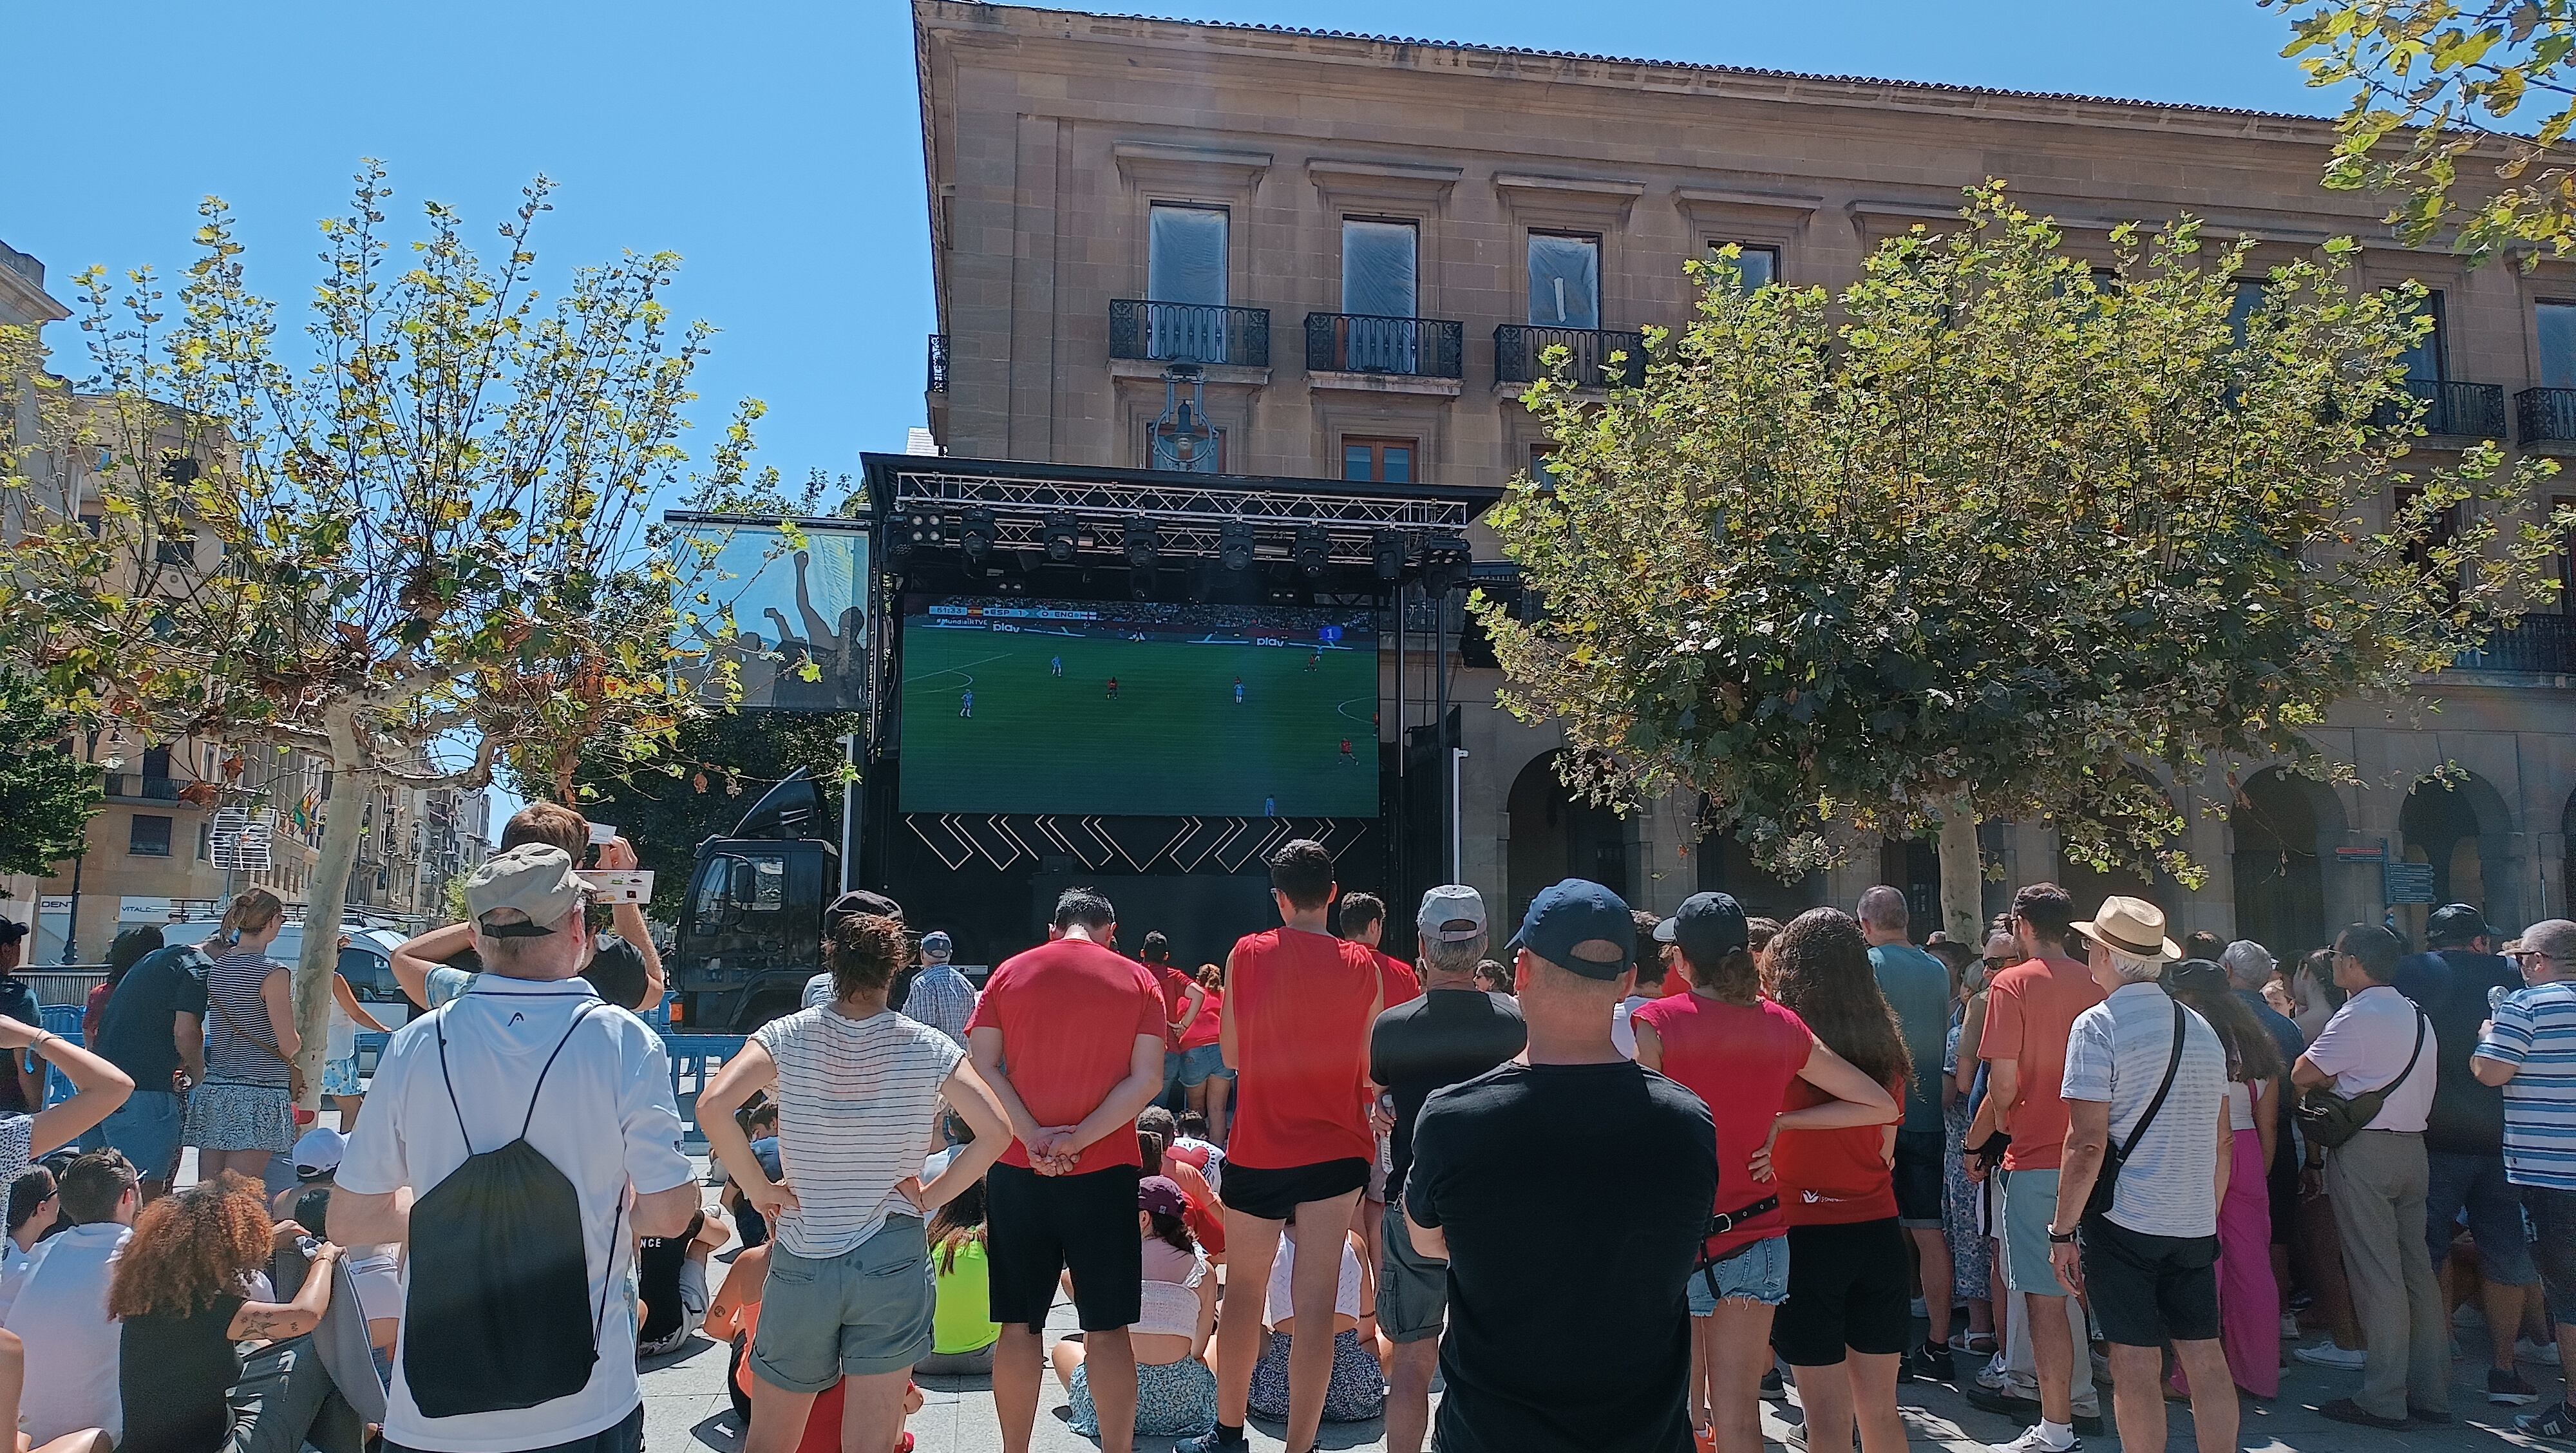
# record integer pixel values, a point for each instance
(863, 1312)
(1202, 1064)
(145, 1130)
(1759, 1273)
(2457, 1182)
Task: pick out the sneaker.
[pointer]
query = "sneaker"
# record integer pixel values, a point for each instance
(2544, 1353)
(2327, 1354)
(2345, 1410)
(2554, 1421)
(1772, 1387)
(2290, 1326)
(1991, 1377)
(2003, 1404)
(2035, 1440)
(1213, 1440)
(2505, 1388)
(1932, 1363)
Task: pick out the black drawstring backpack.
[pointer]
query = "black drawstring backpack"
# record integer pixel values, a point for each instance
(495, 1314)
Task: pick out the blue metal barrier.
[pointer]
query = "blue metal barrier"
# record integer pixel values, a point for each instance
(695, 1058)
(64, 1021)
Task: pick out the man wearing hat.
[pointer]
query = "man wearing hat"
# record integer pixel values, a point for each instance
(2151, 1258)
(1569, 1192)
(2464, 1136)
(2378, 1181)
(462, 1081)
(1451, 1033)
(941, 996)
(818, 989)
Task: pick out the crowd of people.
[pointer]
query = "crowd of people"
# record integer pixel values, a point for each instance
(1613, 1183)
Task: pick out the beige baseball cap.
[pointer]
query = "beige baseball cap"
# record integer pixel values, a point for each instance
(536, 879)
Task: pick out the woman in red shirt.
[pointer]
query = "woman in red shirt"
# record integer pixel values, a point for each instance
(1204, 1078)
(1846, 1325)
(1741, 1053)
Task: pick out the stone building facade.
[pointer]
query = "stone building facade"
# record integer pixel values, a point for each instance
(1400, 226)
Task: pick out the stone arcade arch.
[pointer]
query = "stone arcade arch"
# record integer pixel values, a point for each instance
(2284, 828)
(1554, 835)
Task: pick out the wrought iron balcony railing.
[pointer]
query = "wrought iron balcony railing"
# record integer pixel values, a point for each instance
(2456, 409)
(2545, 415)
(2542, 643)
(1520, 355)
(1371, 343)
(1189, 333)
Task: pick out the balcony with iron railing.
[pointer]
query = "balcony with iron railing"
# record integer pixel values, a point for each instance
(146, 788)
(2545, 416)
(938, 383)
(2542, 643)
(1375, 344)
(1520, 355)
(1198, 333)
(2453, 409)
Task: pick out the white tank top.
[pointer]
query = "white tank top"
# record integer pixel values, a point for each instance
(1171, 1308)
(2240, 1105)
(1346, 1296)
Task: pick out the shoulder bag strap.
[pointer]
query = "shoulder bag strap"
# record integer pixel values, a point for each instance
(226, 1015)
(2420, 1022)
(2138, 1132)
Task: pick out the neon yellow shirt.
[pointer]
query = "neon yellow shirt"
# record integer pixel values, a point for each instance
(963, 1321)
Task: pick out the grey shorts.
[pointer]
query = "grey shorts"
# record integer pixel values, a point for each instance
(1412, 1291)
(2030, 1203)
(863, 1312)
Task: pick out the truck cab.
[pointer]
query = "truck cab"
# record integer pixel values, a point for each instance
(751, 929)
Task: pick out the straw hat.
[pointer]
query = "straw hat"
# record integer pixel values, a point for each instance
(2133, 926)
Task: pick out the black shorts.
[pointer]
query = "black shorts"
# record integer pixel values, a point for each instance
(1275, 1195)
(1037, 1226)
(2282, 1184)
(2150, 1290)
(1847, 1291)
(1919, 1155)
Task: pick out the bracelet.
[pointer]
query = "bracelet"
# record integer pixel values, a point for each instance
(2058, 1238)
(37, 1044)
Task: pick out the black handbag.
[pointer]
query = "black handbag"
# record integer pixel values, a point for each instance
(2106, 1186)
(2330, 1119)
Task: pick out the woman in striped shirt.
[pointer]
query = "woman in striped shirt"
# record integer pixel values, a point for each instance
(244, 1113)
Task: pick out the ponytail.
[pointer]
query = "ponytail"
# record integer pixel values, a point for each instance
(251, 910)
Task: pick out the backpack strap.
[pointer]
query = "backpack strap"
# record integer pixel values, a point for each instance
(550, 1062)
(438, 1027)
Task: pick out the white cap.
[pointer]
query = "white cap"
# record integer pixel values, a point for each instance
(318, 1152)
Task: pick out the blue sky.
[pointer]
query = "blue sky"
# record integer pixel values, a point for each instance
(777, 147)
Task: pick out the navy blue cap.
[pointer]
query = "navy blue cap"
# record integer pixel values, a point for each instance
(1580, 927)
(1708, 926)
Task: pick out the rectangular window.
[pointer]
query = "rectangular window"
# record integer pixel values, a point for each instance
(148, 837)
(2445, 532)
(177, 546)
(1759, 265)
(1378, 461)
(1378, 259)
(205, 842)
(1185, 255)
(2242, 308)
(2427, 359)
(1564, 280)
(2557, 345)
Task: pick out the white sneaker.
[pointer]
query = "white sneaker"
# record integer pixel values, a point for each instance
(2290, 1326)
(2544, 1353)
(2327, 1354)
(2035, 1440)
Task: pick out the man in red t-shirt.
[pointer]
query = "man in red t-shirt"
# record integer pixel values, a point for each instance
(1070, 1037)
(1364, 922)
(1299, 1005)
(2030, 1010)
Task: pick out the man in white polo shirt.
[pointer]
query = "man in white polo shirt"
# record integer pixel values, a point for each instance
(61, 1311)
(2149, 1263)
(527, 1059)
(2377, 1180)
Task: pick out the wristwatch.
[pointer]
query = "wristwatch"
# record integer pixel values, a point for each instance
(2060, 1238)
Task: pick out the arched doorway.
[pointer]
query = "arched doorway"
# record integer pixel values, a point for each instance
(1726, 866)
(2460, 827)
(1556, 836)
(2278, 822)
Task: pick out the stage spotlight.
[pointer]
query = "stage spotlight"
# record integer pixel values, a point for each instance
(1059, 534)
(1234, 545)
(1444, 564)
(1314, 550)
(917, 529)
(1387, 553)
(980, 534)
(1144, 545)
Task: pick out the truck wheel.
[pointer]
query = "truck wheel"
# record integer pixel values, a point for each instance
(764, 1009)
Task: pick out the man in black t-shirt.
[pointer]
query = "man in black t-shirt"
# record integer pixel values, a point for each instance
(1569, 1195)
(1453, 1032)
(154, 1029)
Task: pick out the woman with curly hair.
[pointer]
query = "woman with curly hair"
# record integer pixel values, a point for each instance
(182, 1291)
(1846, 1325)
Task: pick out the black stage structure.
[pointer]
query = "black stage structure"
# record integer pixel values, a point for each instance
(993, 528)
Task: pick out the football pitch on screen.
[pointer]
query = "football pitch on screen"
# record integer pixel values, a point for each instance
(1173, 741)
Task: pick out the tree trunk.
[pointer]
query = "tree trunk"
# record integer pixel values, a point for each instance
(1963, 878)
(326, 903)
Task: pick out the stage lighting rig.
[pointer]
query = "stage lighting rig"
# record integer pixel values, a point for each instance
(1313, 551)
(1144, 545)
(918, 529)
(1061, 535)
(1387, 553)
(1234, 545)
(980, 534)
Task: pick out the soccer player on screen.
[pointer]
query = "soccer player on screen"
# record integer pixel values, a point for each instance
(1348, 760)
(1238, 691)
(1056, 664)
(1113, 688)
(966, 703)
(1314, 660)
